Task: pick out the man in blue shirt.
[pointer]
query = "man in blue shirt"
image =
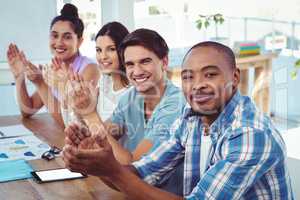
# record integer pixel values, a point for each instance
(244, 155)
(147, 109)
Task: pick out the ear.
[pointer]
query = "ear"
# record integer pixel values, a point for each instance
(236, 78)
(165, 61)
(80, 40)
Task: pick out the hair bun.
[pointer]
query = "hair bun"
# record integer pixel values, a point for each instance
(69, 10)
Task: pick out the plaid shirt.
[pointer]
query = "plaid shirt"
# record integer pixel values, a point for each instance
(247, 159)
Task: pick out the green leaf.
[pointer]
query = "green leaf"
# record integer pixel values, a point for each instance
(199, 24)
(221, 20)
(206, 24)
(215, 19)
(294, 75)
(297, 64)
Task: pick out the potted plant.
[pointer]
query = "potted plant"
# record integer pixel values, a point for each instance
(206, 20)
(294, 73)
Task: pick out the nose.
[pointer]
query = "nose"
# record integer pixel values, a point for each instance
(59, 41)
(199, 84)
(103, 55)
(137, 70)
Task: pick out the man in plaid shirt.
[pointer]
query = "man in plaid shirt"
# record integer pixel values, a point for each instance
(230, 149)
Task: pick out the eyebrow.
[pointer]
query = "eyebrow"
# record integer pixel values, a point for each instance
(65, 33)
(128, 62)
(109, 46)
(207, 67)
(186, 71)
(139, 60)
(145, 59)
(210, 67)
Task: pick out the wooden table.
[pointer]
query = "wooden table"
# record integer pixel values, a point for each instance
(88, 188)
(262, 65)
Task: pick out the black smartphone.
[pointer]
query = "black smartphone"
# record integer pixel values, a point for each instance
(44, 176)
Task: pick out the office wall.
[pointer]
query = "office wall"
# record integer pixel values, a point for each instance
(26, 23)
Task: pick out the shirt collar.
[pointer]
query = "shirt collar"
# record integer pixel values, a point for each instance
(223, 117)
(227, 113)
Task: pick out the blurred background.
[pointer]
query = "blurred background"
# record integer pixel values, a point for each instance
(271, 27)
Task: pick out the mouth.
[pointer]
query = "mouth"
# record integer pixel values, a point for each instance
(106, 64)
(60, 50)
(201, 98)
(141, 79)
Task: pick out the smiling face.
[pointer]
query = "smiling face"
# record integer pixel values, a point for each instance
(64, 43)
(106, 54)
(208, 80)
(144, 69)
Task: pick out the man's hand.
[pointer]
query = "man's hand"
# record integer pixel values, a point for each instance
(80, 137)
(97, 161)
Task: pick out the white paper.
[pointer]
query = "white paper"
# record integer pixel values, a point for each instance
(27, 147)
(14, 131)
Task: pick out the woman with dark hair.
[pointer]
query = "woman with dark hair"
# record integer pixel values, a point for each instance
(113, 81)
(66, 32)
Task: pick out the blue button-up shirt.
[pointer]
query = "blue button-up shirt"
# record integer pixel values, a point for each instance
(247, 159)
(130, 114)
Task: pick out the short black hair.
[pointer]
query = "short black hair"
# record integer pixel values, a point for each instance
(117, 32)
(148, 39)
(225, 50)
(70, 13)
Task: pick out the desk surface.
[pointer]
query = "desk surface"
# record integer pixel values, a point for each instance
(89, 188)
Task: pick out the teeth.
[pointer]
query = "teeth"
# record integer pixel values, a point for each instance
(140, 80)
(60, 50)
(105, 63)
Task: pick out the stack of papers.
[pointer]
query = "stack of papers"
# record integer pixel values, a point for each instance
(17, 142)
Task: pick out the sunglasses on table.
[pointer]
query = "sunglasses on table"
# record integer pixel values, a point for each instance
(51, 153)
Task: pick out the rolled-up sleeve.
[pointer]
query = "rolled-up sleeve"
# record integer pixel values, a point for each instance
(163, 159)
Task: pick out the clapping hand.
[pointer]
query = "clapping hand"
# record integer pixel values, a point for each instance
(83, 95)
(33, 73)
(88, 154)
(14, 60)
(57, 74)
(79, 136)
(20, 65)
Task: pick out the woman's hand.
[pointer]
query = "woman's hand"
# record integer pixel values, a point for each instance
(83, 95)
(34, 73)
(57, 74)
(14, 60)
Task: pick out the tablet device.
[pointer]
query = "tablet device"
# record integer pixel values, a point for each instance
(44, 176)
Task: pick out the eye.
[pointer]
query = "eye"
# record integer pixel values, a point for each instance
(68, 37)
(53, 36)
(112, 49)
(186, 77)
(129, 65)
(146, 61)
(210, 75)
(98, 50)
